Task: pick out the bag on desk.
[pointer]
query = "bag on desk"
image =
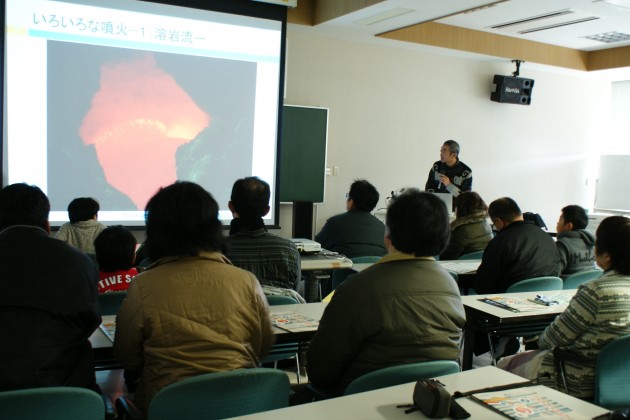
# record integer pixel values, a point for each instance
(435, 401)
(431, 398)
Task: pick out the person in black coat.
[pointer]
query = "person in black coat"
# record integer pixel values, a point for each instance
(48, 304)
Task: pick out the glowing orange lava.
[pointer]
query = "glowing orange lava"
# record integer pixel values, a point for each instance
(138, 119)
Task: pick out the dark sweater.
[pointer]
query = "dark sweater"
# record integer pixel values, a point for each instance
(518, 252)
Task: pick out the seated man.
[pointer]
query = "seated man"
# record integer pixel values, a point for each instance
(48, 305)
(274, 260)
(84, 226)
(356, 232)
(575, 245)
(519, 251)
(404, 309)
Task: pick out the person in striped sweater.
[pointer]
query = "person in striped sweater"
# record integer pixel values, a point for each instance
(598, 313)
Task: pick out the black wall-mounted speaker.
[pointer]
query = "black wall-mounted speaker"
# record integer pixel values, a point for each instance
(512, 90)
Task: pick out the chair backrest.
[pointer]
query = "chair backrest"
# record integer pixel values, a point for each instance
(52, 403)
(472, 256)
(574, 280)
(612, 375)
(536, 284)
(222, 395)
(365, 259)
(401, 374)
(280, 300)
(110, 302)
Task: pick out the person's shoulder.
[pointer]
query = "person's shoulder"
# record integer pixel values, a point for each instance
(464, 166)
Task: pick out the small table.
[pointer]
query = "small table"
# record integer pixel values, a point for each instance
(382, 403)
(103, 346)
(488, 318)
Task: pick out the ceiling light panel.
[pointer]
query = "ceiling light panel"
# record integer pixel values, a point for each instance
(383, 16)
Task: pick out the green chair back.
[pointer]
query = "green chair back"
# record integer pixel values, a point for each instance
(365, 259)
(536, 284)
(401, 374)
(51, 403)
(110, 302)
(612, 375)
(339, 275)
(280, 300)
(574, 280)
(472, 256)
(221, 395)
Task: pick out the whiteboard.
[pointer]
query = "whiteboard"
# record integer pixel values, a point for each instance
(613, 183)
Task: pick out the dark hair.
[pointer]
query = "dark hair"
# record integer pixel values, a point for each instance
(22, 204)
(613, 237)
(418, 223)
(576, 215)
(453, 146)
(363, 195)
(82, 208)
(468, 203)
(250, 197)
(115, 248)
(505, 209)
(182, 219)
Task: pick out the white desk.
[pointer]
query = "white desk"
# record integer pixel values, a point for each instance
(323, 261)
(458, 266)
(489, 318)
(100, 342)
(381, 403)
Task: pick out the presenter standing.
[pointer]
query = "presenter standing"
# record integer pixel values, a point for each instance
(449, 174)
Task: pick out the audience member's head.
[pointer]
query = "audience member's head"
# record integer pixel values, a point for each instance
(250, 198)
(182, 220)
(612, 244)
(82, 208)
(417, 223)
(504, 211)
(115, 249)
(22, 204)
(363, 195)
(469, 203)
(572, 218)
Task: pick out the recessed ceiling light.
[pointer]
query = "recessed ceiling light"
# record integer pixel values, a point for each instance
(380, 17)
(609, 37)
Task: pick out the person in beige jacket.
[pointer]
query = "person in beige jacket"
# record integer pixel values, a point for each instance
(191, 312)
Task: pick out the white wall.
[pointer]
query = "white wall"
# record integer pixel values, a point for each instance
(392, 108)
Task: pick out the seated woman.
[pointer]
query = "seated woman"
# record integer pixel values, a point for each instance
(597, 314)
(470, 231)
(191, 312)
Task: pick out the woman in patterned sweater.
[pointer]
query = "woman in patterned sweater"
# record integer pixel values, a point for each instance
(598, 313)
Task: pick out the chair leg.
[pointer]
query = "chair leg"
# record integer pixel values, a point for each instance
(493, 362)
(297, 367)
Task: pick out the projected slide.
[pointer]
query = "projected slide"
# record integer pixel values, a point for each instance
(136, 101)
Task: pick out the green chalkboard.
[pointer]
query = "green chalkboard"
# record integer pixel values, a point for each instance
(303, 154)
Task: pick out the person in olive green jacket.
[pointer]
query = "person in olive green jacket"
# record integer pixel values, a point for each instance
(191, 312)
(404, 309)
(471, 230)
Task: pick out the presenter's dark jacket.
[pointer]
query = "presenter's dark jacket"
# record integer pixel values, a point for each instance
(401, 310)
(355, 233)
(459, 174)
(576, 251)
(48, 310)
(520, 251)
(468, 234)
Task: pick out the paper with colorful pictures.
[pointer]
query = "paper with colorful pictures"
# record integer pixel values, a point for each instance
(293, 322)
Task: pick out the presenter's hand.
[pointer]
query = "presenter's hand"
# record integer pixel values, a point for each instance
(444, 180)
